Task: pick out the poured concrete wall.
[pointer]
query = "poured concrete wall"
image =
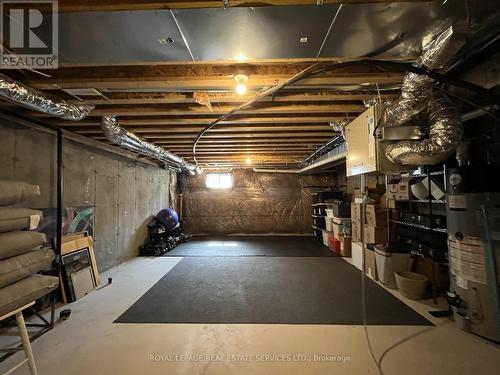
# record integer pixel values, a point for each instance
(125, 193)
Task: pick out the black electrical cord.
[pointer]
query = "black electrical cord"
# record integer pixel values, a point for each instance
(327, 66)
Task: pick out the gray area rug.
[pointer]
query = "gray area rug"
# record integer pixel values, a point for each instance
(279, 290)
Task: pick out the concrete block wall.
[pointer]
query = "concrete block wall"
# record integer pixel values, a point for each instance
(125, 193)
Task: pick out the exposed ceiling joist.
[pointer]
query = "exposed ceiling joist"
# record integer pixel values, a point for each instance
(231, 97)
(211, 82)
(220, 110)
(267, 121)
(238, 135)
(253, 129)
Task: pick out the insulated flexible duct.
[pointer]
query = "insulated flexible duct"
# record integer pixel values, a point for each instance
(122, 137)
(445, 126)
(33, 99)
(416, 91)
(445, 134)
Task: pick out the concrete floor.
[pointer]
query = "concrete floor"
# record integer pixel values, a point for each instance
(89, 342)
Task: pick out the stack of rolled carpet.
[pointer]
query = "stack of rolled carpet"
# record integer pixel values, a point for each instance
(21, 249)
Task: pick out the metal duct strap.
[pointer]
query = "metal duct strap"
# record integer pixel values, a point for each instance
(33, 99)
(445, 134)
(120, 136)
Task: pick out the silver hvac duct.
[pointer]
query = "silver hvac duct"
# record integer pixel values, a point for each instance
(445, 134)
(120, 136)
(33, 99)
(417, 88)
(445, 126)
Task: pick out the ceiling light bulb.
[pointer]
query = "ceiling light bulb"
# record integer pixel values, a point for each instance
(249, 160)
(241, 57)
(241, 83)
(241, 89)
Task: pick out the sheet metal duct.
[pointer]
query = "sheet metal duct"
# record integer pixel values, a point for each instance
(120, 136)
(33, 99)
(445, 127)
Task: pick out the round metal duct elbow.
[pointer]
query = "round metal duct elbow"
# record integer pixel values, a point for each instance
(445, 134)
(33, 99)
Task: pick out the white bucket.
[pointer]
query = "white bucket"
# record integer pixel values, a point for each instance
(388, 263)
(329, 224)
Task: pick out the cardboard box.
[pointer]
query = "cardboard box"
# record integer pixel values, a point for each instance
(356, 211)
(390, 203)
(436, 274)
(357, 255)
(357, 193)
(375, 216)
(356, 234)
(399, 190)
(370, 265)
(345, 246)
(374, 235)
(373, 184)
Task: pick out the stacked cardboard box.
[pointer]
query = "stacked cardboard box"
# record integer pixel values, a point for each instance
(398, 188)
(369, 224)
(375, 228)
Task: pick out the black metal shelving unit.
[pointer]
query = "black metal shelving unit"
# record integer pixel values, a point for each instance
(430, 240)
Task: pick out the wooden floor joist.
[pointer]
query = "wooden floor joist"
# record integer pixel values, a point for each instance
(145, 130)
(236, 120)
(121, 98)
(220, 110)
(161, 103)
(211, 82)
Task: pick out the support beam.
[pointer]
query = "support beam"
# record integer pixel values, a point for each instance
(230, 97)
(250, 120)
(188, 83)
(220, 110)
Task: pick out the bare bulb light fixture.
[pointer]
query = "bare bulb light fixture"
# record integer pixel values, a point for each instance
(241, 83)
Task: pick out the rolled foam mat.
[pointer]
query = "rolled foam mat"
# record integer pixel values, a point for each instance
(12, 192)
(12, 219)
(21, 266)
(17, 243)
(25, 291)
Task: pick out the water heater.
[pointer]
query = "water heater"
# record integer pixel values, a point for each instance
(474, 252)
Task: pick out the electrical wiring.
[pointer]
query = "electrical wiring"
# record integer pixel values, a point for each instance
(263, 94)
